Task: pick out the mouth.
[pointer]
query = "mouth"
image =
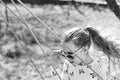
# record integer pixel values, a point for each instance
(69, 55)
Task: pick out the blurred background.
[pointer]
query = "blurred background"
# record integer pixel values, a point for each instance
(59, 15)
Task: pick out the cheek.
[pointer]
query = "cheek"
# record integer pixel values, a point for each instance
(89, 60)
(85, 57)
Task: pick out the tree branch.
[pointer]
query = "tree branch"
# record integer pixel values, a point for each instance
(114, 7)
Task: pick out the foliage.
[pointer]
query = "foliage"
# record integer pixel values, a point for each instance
(56, 17)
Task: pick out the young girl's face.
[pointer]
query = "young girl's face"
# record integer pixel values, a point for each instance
(84, 55)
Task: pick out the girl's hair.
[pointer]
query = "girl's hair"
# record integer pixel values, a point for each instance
(82, 37)
(103, 44)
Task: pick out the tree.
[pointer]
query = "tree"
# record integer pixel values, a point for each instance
(114, 7)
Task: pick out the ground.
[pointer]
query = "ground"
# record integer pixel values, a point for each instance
(59, 19)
